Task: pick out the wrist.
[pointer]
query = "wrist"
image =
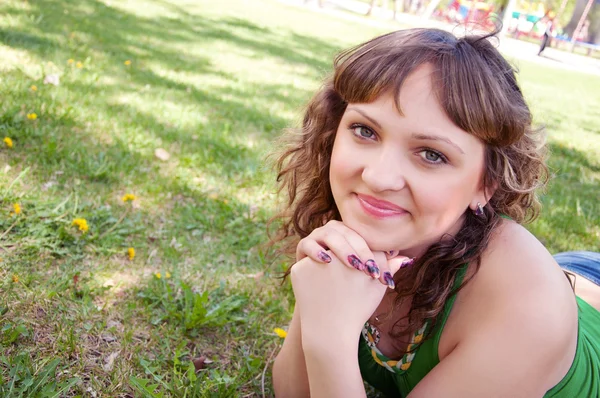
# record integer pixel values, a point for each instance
(326, 342)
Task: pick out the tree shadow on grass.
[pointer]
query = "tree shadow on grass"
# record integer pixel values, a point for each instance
(116, 35)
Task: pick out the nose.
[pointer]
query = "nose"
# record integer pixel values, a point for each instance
(385, 172)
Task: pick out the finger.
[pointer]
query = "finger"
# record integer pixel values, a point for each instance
(362, 250)
(391, 267)
(308, 247)
(391, 254)
(342, 242)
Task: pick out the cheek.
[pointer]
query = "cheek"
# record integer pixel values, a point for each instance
(341, 166)
(443, 202)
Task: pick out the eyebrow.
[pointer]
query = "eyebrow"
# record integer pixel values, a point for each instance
(436, 138)
(365, 116)
(415, 135)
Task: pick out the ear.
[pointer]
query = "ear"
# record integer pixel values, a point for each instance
(483, 195)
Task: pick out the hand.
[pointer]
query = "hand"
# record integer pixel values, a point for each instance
(334, 300)
(346, 245)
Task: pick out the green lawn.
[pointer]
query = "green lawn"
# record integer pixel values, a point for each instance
(212, 83)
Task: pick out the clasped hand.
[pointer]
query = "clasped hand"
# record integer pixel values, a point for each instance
(339, 282)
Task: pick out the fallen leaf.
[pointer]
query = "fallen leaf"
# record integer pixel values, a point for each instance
(114, 324)
(109, 338)
(162, 154)
(52, 79)
(199, 363)
(109, 361)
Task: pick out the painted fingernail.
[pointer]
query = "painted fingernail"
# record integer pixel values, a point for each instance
(324, 257)
(407, 262)
(372, 269)
(387, 277)
(355, 262)
(391, 253)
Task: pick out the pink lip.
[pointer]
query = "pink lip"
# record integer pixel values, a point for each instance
(379, 208)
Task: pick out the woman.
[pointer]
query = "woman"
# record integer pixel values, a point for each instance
(416, 165)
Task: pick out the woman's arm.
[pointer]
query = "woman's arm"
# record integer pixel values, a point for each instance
(290, 378)
(326, 361)
(332, 365)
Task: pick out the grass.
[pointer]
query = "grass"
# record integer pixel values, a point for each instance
(212, 84)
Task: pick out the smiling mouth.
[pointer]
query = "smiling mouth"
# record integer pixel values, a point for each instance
(378, 208)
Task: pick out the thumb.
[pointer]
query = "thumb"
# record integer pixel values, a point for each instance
(399, 262)
(394, 265)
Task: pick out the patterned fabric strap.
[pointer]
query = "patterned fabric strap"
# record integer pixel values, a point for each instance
(372, 336)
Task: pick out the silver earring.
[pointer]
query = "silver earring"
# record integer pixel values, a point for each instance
(479, 210)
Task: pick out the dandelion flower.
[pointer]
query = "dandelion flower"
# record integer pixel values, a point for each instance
(79, 65)
(17, 208)
(280, 332)
(167, 274)
(128, 197)
(15, 278)
(82, 224)
(8, 142)
(31, 116)
(127, 63)
(33, 87)
(70, 61)
(131, 253)
(157, 275)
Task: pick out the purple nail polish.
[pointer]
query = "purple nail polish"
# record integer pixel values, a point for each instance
(355, 262)
(372, 268)
(324, 257)
(387, 277)
(407, 262)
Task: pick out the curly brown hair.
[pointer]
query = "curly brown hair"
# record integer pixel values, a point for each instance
(479, 92)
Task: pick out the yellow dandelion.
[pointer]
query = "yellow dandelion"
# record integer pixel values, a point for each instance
(128, 197)
(127, 63)
(79, 65)
(131, 253)
(157, 275)
(32, 116)
(167, 274)
(81, 223)
(15, 278)
(17, 208)
(280, 332)
(33, 87)
(8, 142)
(70, 61)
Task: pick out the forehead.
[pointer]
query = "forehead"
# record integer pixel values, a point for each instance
(420, 113)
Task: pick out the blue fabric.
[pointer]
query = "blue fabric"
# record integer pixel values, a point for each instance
(586, 264)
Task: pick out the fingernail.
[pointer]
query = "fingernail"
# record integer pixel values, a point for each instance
(407, 262)
(387, 277)
(391, 253)
(372, 268)
(324, 257)
(355, 262)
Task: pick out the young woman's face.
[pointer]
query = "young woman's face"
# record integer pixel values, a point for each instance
(402, 182)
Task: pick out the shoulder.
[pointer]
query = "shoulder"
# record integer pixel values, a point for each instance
(520, 301)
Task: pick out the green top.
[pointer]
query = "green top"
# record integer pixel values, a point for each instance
(398, 378)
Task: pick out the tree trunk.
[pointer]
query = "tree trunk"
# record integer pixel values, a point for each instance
(371, 7)
(508, 11)
(577, 12)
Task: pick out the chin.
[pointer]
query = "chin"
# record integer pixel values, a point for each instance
(381, 241)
